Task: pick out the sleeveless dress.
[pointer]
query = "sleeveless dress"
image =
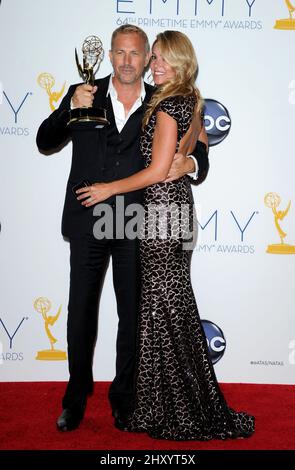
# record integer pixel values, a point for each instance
(176, 391)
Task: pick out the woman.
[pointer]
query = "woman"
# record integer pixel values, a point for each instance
(177, 394)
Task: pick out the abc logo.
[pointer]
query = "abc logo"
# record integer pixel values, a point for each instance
(217, 121)
(215, 340)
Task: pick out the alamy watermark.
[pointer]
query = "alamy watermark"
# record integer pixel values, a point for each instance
(146, 222)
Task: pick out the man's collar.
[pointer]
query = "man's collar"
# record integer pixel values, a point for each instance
(113, 92)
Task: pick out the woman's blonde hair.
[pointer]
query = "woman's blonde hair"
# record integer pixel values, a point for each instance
(177, 50)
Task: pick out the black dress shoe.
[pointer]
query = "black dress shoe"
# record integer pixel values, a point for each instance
(121, 420)
(69, 420)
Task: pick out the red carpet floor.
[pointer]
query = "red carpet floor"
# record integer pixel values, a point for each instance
(28, 412)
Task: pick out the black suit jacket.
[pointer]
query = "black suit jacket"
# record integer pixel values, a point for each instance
(89, 150)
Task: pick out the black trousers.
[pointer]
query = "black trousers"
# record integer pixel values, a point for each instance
(89, 261)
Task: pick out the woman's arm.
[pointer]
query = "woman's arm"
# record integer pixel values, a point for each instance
(203, 137)
(182, 164)
(163, 150)
(200, 154)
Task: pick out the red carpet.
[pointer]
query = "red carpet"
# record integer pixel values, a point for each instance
(28, 412)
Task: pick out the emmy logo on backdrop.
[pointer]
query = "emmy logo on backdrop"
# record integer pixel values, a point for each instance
(43, 305)
(273, 200)
(46, 80)
(287, 23)
(87, 118)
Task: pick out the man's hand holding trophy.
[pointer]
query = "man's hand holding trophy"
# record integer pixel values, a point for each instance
(87, 117)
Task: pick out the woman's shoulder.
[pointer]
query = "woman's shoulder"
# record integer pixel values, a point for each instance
(177, 105)
(179, 99)
(177, 102)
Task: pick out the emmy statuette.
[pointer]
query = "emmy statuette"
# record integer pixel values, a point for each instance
(43, 305)
(88, 118)
(287, 23)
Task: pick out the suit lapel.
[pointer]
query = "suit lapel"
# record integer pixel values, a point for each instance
(102, 101)
(101, 94)
(136, 117)
(149, 90)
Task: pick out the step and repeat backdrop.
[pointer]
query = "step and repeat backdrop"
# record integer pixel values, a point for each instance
(243, 267)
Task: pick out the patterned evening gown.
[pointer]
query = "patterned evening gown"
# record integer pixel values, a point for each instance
(177, 395)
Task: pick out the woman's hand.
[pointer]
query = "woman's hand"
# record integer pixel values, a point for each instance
(91, 195)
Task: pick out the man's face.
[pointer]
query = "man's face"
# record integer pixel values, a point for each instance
(129, 57)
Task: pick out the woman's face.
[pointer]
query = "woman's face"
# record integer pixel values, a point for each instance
(161, 71)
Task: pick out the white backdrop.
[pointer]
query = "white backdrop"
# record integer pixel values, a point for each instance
(248, 67)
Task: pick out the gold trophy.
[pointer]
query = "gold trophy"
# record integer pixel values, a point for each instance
(89, 117)
(43, 305)
(287, 23)
(273, 200)
(46, 81)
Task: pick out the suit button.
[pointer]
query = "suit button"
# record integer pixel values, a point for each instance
(117, 163)
(119, 151)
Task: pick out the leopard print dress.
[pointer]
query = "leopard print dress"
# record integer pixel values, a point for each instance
(176, 392)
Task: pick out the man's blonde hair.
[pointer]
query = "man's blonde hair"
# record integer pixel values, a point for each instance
(131, 29)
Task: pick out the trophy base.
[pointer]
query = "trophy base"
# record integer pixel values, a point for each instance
(281, 249)
(51, 355)
(87, 118)
(287, 23)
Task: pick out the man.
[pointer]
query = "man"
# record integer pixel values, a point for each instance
(105, 154)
